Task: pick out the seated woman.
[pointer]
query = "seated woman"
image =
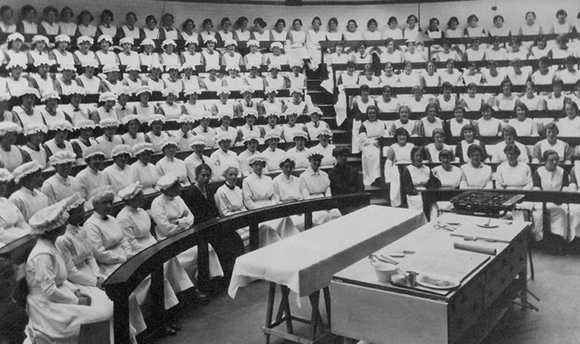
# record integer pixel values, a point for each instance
(475, 174)
(370, 131)
(325, 148)
(61, 185)
(291, 128)
(429, 76)
(469, 135)
(12, 222)
(315, 183)
(156, 135)
(169, 163)
(56, 307)
(223, 157)
(552, 177)
(201, 202)
(144, 172)
(487, 125)
(417, 177)
(505, 101)
(272, 153)
(258, 192)
(344, 178)
(551, 142)
(454, 125)
(171, 216)
(398, 153)
(449, 177)
(136, 225)
(403, 121)
(10, 154)
(34, 134)
(509, 135)
(388, 103)
(569, 126)
(287, 187)
(118, 175)
(91, 177)
(225, 127)
(431, 121)
(437, 146)
(447, 101)
(514, 174)
(28, 198)
(523, 125)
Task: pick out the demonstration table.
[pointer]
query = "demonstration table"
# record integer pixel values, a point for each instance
(305, 263)
(386, 313)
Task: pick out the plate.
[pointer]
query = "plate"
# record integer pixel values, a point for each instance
(439, 283)
(487, 226)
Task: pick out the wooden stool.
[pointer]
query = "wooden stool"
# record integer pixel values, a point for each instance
(285, 316)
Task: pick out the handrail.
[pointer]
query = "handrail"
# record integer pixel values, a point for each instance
(150, 261)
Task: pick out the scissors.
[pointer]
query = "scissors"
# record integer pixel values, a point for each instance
(444, 226)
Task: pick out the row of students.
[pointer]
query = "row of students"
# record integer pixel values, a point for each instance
(83, 26)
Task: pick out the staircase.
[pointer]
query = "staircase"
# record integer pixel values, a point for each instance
(341, 137)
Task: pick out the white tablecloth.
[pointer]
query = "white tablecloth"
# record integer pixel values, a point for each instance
(306, 262)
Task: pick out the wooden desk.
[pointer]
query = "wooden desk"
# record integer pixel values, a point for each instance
(389, 314)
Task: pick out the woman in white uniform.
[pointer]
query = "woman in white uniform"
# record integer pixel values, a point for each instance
(172, 216)
(56, 307)
(315, 183)
(230, 201)
(369, 132)
(28, 198)
(258, 192)
(287, 187)
(449, 176)
(417, 177)
(475, 174)
(398, 153)
(12, 222)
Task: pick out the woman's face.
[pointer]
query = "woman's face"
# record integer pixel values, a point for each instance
(332, 26)
(36, 138)
(570, 110)
(145, 156)
(390, 47)
(170, 151)
(530, 19)
(417, 159)
(445, 160)
(280, 26)
(50, 17)
(372, 115)
(372, 27)
(85, 46)
(291, 119)
(272, 120)
(432, 113)
(131, 19)
(151, 23)
(417, 94)
(393, 24)
(351, 27)
(389, 69)
(430, 68)
(63, 169)
(316, 24)
(287, 168)
(7, 15)
(450, 65)
(207, 26)
(520, 113)
(475, 157)
(362, 49)
(402, 138)
(411, 47)
(486, 114)
(62, 46)
(498, 22)
(133, 127)
(30, 15)
(512, 158)
(257, 167)
(411, 21)
(561, 18)
(96, 162)
(86, 19)
(552, 162)
(296, 25)
(107, 19)
(226, 25)
(315, 163)
(529, 91)
(542, 44)
(408, 68)
(105, 46)
(104, 206)
(232, 176)
(324, 140)
(551, 134)
(472, 22)
(404, 114)
(507, 88)
(557, 89)
(300, 142)
(438, 139)
(387, 94)
(121, 160)
(60, 136)
(468, 135)
(225, 145)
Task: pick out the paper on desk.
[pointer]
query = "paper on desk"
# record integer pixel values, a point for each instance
(451, 263)
(504, 233)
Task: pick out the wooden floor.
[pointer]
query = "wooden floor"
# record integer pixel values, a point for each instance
(557, 284)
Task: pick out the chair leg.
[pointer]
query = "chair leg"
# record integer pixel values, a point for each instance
(531, 263)
(326, 291)
(315, 318)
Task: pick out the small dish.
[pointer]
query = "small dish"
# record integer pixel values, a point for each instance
(384, 271)
(436, 282)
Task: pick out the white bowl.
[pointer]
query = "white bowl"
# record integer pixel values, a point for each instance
(384, 271)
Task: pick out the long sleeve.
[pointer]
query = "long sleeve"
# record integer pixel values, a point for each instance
(537, 153)
(247, 195)
(164, 226)
(74, 275)
(537, 181)
(44, 275)
(187, 218)
(48, 190)
(101, 254)
(128, 227)
(304, 189)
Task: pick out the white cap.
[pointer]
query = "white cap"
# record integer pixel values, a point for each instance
(121, 149)
(272, 135)
(130, 191)
(276, 45)
(197, 141)
(82, 39)
(133, 67)
(67, 66)
(186, 119)
(106, 96)
(25, 170)
(62, 38)
(223, 136)
(85, 123)
(50, 94)
(126, 40)
(48, 219)
(62, 157)
(76, 90)
(5, 175)
(230, 42)
(273, 66)
(130, 118)
(109, 123)
(105, 38)
(110, 68)
(147, 41)
(190, 90)
(210, 39)
(92, 151)
(9, 127)
(142, 147)
(167, 181)
(29, 90)
(191, 40)
(14, 36)
(253, 42)
(155, 118)
(257, 157)
(143, 89)
(33, 128)
(38, 38)
(168, 42)
(63, 125)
